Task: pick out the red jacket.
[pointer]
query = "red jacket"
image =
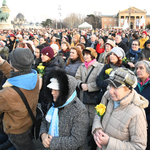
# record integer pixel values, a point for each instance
(99, 48)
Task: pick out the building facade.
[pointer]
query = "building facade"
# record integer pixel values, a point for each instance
(133, 16)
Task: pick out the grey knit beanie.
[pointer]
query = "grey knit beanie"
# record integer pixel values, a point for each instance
(118, 51)
(22, 59)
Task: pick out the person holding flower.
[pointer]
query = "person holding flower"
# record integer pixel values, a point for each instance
(114, 60)
(49, 62)
(120, 122)
(66, 123)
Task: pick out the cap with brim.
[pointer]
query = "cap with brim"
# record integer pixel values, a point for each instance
(114, 83)
(54, 84)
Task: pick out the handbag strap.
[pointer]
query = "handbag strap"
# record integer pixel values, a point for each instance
(89, 74)
(25, 102)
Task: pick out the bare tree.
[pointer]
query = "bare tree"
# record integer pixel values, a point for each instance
(73, 20)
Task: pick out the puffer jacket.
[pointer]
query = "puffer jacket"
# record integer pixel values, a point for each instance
(73, 120)
(125, 125)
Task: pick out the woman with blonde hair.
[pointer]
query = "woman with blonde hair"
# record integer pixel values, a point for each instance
(76, 40)
(74, 61)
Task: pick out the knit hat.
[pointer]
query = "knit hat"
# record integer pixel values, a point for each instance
(110, 42)
(91, 50)
(54, 84)
(12, 35)
(121, 77)
(48, 51)
(22, 59)
(118, 51)
(144, 32)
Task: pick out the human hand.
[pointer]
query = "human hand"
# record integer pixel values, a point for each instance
(84, 87)
(46, 140)
(101, 138)
(8, 42)
(1, 60)
(131, 64)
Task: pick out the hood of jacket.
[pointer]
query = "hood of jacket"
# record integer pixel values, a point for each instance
(67, 85)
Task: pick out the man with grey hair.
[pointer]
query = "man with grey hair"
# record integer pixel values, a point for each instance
(120, 43)
(92, 41)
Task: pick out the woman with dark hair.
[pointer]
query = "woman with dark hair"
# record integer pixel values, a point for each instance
(83, 40)
(74, 61)
(44, 42)
(135, 54)
(100, 48)
(134, 37)
(81, 46)
(114, 60)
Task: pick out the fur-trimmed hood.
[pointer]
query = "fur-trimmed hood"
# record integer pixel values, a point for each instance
(67, 85)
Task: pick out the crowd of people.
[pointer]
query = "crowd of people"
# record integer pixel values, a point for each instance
(69, 73)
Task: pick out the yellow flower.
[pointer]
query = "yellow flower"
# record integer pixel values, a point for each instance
(41, 67)
(125, 58)
(100, 109)
(108, 71)
(149, 58)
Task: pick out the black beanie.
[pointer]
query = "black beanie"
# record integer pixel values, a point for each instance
(22, 59)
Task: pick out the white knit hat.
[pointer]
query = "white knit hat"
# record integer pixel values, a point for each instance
(54, 84)
(118, 51)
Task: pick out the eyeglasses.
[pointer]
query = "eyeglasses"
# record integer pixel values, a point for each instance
(134, 44)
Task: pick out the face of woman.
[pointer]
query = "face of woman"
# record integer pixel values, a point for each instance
(117, 94)
(37, 53)
(101, 41)
(141, 72)
(107, 48)
(53, 39)
(55, 94)
(44, 58)
(113, 58)
(75, 39)
(73, 54)
(82, 40)
(135, 46)
(42, 40)
(87, 57)
(63, 47)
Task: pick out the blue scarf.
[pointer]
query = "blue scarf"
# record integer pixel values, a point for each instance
(53, 119)
(135, 53)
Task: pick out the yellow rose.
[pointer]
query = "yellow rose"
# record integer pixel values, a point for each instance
(149, 58)
(108, 71)
(40, 67)
(125, 58)
(100, 109)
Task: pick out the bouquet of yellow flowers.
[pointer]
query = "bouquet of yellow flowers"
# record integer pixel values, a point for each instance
(107, 71)
(100, 109)
(125, 60)
(40, 69)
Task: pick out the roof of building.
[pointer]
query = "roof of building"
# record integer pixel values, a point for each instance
(20, 16)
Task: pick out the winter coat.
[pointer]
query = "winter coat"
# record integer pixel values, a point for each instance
(146, 50)
(125, 125)
(145, 93)
(65, 54)
(82, 73)
(71, 69)
(11, 45)
(90, 43)
(16, 117)
(73, 121)
(132, 57)
(45, 99)
(59, 57)
(123, 46)
(142, 42)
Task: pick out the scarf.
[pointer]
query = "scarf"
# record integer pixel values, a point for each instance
(53, 118)
(135, 53)
(87, 64)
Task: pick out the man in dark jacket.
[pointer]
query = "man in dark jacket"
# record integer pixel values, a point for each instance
(92, 42)
(146, 50)
(17, 121)
(120, 43)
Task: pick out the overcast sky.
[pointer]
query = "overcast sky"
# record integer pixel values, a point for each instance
(38, 10)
